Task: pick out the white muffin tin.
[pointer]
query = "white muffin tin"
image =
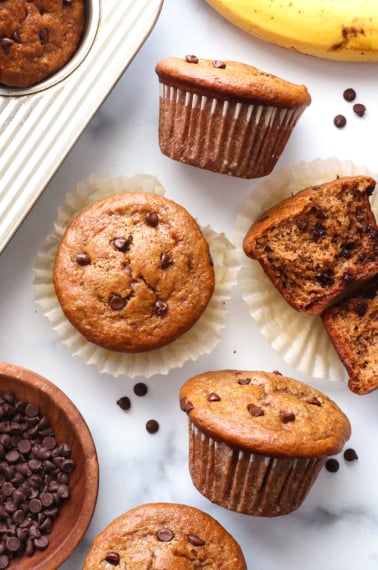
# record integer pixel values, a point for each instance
(39, 125)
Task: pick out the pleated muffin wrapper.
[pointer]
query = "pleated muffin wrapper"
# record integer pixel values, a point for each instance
(230, 137)
(299, 338)
(249, 483)
(200, 339)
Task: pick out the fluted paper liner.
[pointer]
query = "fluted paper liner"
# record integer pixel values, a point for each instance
(229, 137)
(299, 338)
(200, 339)
(249, 483)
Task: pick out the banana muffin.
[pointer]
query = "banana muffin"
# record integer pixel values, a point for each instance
(37, 38)
(165, 536)
(133, 272)
(226, 116)
(318, 242)
(258, 440)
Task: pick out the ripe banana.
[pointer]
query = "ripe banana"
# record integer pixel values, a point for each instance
(343, 30)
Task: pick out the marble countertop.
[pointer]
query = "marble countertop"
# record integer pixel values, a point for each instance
(338, 523)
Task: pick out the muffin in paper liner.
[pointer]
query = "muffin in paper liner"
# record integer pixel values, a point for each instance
(200, 339)
(246, 482)
(299, 338)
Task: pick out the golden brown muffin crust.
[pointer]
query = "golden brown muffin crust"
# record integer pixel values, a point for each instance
(231, 80)
(37, 38)
(165, 536)
(265, 413)
(133, 272)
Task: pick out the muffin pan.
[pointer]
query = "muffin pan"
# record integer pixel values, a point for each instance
(35, 135)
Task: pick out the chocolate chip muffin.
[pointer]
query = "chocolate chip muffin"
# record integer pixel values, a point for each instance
(37, 38)
(319, 241)
(258, 440)
(226, 116)
(133, 272)
(165, 536)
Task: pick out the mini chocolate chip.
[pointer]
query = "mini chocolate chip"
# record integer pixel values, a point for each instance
(277, 372)
(213, 397)
(165, 535)
(16, 36)
(359, 109)
(121, 244)
(165, 260)
(349, 94)
(326, 278)
(347, 277)
(116, 302)
(219, 64)
(255, 411)
(140, 389)
(160, 308)
(339, 121)
(152, 219)
(152, 426)
(83, 258)
(319, 231)
(244, 381)
(43, 35)
(124, 403)
(286, 417)
(186, 405)
(332, 465)
(6, 44)
(360, 307)
(191, 58)
(41, 542)
(113, 558)
(195, 540)
(350, 455)
(314, 402)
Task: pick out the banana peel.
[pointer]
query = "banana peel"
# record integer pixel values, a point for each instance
(341, 30)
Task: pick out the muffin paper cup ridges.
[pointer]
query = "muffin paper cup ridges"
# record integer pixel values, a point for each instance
(299, 338)
(249, 483)
(200, 339)
(230, 137)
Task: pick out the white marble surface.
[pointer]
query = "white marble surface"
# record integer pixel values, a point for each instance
(337, 527)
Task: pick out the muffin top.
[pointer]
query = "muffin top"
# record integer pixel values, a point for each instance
(37, 38)
(165, 536)
(133, 272)
(231, 80)
(265, 413)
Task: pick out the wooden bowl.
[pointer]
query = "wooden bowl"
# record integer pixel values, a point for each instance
(69, 426)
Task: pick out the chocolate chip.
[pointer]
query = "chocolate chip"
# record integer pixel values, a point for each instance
(112, 558)
(349, 94)
(140, 389)
(360, 307)
(6, 44)
(326, 278)
(16, 36)
(213, 397)
(314, 402)
(43, 35)
(219, 64)
(116, 302)
(152, 426)
(160, 308)
(359, 109)
(350, 455)
(339, 121)
(165, 260)
(286, 417)
(244, 381)
(83, 259)
(152, 219)
(121, 244)
(186, 405)
(195, 540)
(124, 403)
(255, 411)
(332, 465)
(191, 58)
(165, 535)
(319, 231)
(4, 561)
(277, 372)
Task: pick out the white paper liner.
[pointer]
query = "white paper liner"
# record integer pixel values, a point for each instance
(299, 338)
(200, 339)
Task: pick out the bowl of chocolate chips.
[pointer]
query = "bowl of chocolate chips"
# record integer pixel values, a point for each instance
(48, 472)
